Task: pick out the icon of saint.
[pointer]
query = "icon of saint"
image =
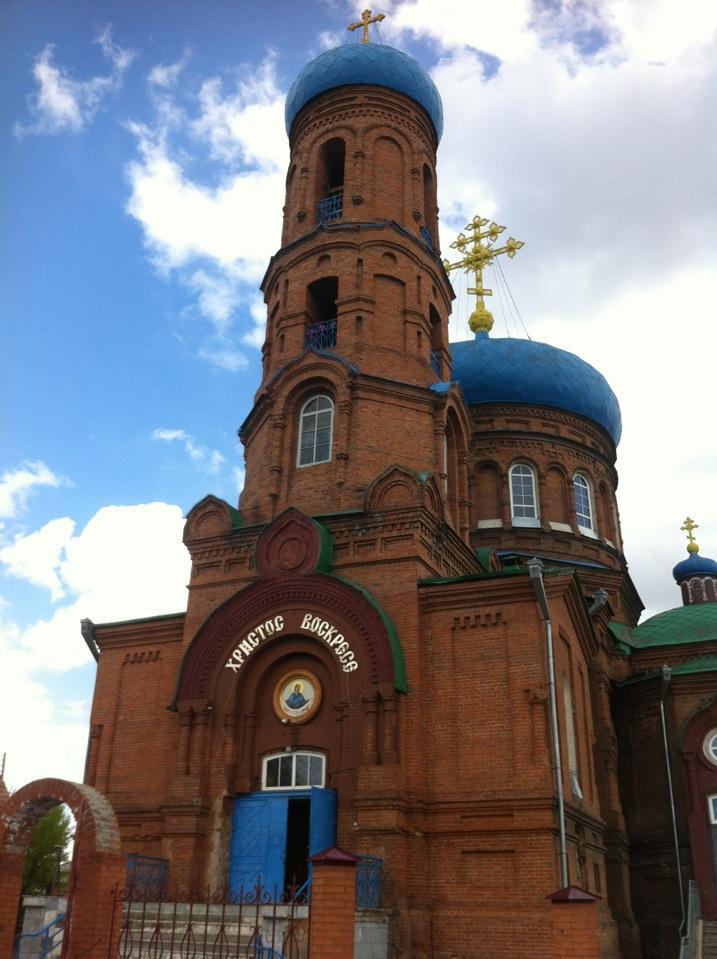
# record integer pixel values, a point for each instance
(297, 699)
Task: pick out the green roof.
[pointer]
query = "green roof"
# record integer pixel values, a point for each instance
(675, 627)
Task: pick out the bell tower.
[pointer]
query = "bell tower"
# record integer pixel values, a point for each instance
(356, 363)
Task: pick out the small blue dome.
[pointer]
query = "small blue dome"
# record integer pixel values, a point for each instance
(694, 565)
(523, 371)
(371, 63)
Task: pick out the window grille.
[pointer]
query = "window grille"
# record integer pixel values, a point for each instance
(435, 362)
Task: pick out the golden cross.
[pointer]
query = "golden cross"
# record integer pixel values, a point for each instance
(687, 527)
(477, 255)
(366, 18)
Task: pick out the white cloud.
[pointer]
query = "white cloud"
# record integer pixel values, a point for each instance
(35, 557)
(217, 236)
(60, 102)
(104, 577)
(166, 75)
(211, 461)
(17, 484)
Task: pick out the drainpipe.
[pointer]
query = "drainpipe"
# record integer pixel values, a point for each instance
(664, 688)
(535, 568)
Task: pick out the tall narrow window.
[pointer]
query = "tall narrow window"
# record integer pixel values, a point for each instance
(315, 429)
(584, 511)
(523, 501)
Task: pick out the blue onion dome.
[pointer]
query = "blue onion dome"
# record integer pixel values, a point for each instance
(694, 565)
(371, 63)
(524, 371)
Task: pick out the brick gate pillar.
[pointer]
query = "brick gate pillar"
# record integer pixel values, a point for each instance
(333, 905)
(11, 866)
(575, 924)
(95, 920)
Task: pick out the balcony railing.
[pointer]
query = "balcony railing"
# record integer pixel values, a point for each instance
(330, 208)
(320, 336)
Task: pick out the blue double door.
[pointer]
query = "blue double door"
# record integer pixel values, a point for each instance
(273, 834)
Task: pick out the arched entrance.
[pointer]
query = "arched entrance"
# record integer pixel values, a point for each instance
(98, 865)
(289, 697)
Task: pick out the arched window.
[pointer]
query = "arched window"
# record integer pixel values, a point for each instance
(298, 770)
(523, 499)
(584, 509)
(315, 431)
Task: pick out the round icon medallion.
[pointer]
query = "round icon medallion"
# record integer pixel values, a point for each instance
(297, 696)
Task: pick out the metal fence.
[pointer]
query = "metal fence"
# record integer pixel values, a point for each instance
(147, 877)
(255, 924)
(369, 873)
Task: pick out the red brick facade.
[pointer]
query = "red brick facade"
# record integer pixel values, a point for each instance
(428, 651)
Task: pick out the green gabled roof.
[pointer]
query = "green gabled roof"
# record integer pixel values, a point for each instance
(675, 627)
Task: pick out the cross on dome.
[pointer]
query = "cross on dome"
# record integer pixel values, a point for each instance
(687, 527)
(364, 22)
(476, 256)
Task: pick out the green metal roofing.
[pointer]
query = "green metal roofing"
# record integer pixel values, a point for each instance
(704, 664)
(675, 627)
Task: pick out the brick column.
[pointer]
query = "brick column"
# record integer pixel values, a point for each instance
(333, 905)
(11, 866)
(93, 934)
(575, 924)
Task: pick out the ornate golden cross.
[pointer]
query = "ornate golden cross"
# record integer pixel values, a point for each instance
(366, 18)
(476, 255)
(687, 527)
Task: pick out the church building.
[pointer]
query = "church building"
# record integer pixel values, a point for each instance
(415, 636)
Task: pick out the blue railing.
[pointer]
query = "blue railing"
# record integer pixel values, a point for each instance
(369, 872)
(320, 336)
(51, 937)
(330, 208)
(435, 362)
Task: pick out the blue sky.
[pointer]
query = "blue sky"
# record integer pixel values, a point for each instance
(144, 156)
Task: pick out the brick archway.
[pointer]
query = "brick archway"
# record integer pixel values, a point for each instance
(98, 864)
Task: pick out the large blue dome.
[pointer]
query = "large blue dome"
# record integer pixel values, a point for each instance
(523, 371)
(371, 63)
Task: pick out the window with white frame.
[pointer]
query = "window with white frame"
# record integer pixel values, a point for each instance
(315, 431)
(295, 770)
(712, 809)
(710, 746)
(584, 508)
(523, 499)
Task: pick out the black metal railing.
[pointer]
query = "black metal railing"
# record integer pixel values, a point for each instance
(253, 924)
(331, 207)
(435, 361)
(369, 873)
(320, 336)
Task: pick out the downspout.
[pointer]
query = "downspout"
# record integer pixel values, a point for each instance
(535, 568)
(664, 687)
